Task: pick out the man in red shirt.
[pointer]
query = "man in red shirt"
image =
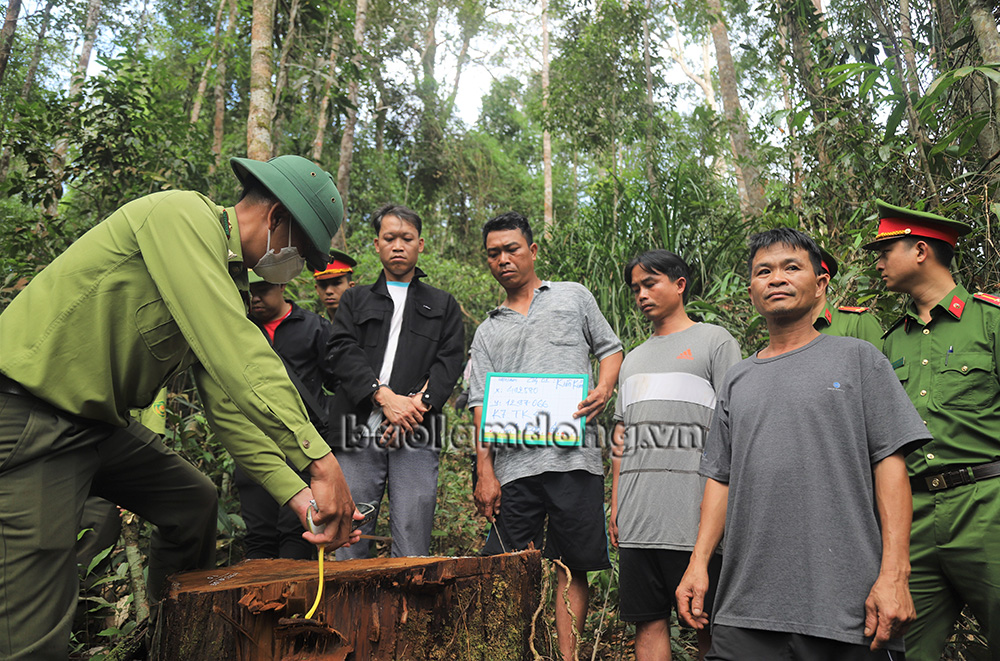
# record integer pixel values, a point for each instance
(299, 338)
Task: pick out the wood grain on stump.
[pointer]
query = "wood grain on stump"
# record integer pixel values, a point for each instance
(390, 609)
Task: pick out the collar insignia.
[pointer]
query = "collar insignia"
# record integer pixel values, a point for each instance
(956, 307)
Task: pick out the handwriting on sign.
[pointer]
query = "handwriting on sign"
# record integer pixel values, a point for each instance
(533, 409)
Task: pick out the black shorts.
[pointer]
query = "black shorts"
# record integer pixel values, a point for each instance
(739, 644)
(574, 505)
(648, 579)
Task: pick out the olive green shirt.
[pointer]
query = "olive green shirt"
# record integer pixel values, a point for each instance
(149, 291)
(849, 322)
(949, 368)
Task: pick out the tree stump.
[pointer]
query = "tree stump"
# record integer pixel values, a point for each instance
(390, 609)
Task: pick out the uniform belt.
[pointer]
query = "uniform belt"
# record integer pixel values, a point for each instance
(955, 478)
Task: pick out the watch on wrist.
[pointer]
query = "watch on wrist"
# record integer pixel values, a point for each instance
(377, 388)
(426, 399)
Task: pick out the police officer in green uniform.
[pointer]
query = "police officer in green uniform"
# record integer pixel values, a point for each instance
(846, 321)
(946, 351)
(157, 287)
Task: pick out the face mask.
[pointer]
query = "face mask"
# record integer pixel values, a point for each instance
(280, 267)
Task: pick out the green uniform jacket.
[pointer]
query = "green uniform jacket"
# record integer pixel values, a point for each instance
(151, 290)
(949, 368)
(849, 322)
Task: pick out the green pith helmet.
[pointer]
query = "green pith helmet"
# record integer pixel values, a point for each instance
(307, 191)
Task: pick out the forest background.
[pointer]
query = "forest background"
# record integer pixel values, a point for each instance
(615, 125)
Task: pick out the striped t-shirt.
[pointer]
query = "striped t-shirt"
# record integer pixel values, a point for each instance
(666, 397)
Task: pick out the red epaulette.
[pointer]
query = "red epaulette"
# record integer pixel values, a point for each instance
(848, 308)
(992, 299)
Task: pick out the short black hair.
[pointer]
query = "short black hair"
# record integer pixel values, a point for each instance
(511, 220)
(255, 192)
(943, 251)
(663, 262)
(405, 214)
(789, 237)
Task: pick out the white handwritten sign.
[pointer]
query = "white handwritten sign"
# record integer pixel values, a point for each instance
(533, 409)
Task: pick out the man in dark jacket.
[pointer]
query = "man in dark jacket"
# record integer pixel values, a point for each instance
(396, 352)
(299, 338)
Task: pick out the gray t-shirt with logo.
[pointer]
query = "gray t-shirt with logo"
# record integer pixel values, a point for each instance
(666, 396)
(561, 331)
(795, 437)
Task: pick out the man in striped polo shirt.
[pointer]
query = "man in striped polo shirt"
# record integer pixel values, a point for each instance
(666, 396)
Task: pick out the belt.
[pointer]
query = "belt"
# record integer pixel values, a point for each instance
(9, 386)
(955, 478)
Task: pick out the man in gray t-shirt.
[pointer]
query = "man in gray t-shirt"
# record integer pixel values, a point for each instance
(666, 396)
(806, 475)
(543, 328)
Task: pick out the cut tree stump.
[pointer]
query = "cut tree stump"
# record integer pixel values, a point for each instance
(391, 609)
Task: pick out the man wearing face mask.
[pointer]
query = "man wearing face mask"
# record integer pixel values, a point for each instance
(159, 286)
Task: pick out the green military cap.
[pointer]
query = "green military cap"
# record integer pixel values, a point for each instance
(829, 262)
(897, 222)
(307, 191)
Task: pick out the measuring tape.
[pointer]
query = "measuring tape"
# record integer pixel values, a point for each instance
(366, 509)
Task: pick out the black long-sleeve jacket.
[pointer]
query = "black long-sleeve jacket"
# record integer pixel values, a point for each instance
(430, 349)
(301, 341)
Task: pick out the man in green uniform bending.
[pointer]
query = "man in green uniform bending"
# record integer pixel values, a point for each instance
(157, 287)
(946, 351)
(845, 321)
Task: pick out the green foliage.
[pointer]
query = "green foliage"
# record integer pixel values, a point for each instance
(594, 247)
(597, 91)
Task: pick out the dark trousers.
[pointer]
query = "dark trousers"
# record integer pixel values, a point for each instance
(50, 461)
(739, 644)
(273, 531)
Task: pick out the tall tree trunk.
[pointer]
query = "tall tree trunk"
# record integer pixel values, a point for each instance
(261, 91)
(906, 38)
(36, 55)
(812, 82)
(786, 94)
(752, 201)
(650, 109)
(29, 77)
(347, 139)
(891, 45)
(7, 34)
(575, 177)
(199, 95)
(703, 81)
(470, 18)
(463, 58)
(380, 111)
(220, 88)
(89, 36)
(76, 86)
(282, 81)
(985, 28)
(985, 99)
(549, 217)
(324, 104)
